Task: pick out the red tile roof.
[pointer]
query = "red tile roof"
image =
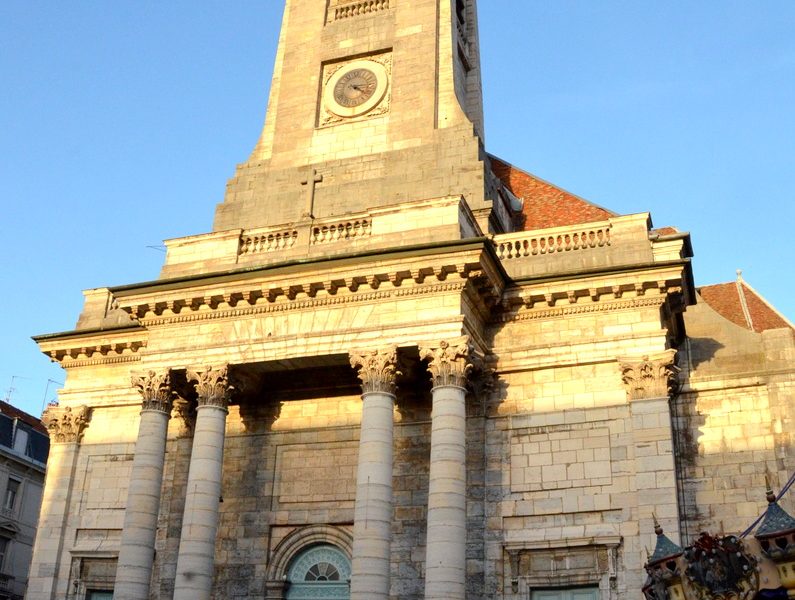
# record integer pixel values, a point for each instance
(726, 299)
(15, 413)
(665, 230)
(546, 205)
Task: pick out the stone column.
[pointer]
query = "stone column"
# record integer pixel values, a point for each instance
(445, 555)
(372, 526)
(65, 426)
(137, 550)
(195, 562)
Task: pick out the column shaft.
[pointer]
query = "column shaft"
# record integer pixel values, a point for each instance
(445, 560)
(195, 562)
(137, 550)
(49, 569)
(47, 549)
(372, 529)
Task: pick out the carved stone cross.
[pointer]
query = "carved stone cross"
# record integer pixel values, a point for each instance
(311, 180)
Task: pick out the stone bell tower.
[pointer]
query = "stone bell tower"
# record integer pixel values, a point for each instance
(373, 104)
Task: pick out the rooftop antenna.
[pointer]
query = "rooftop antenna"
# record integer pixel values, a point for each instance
(11, 389)
(47, 391)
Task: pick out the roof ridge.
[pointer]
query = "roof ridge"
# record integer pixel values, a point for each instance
(743, 302)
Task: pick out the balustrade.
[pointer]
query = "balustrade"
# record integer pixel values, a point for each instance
(345, 10)
(267, 241)
(341, 231)
(520, 245)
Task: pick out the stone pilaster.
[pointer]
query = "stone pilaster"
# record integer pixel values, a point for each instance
(445, 558)
(65, 426)
(195, 562)
(137, 550)
(650, 381)
(373, 506)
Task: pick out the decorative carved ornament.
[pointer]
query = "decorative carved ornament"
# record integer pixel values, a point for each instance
(155, 387)
(212, 386)
(719, 568)
(449, 363)
(65, 425)
(651, 376)
(376, 369)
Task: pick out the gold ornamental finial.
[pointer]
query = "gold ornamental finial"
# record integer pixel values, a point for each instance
(771, 497)
(657, 527)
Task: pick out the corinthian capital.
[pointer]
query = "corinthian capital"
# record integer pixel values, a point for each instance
(65, 424)
(212, 386)
(155, 387)
(449, 362)
(650, 376)
(376, 369)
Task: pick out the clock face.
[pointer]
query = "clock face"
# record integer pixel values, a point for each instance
(355, 88)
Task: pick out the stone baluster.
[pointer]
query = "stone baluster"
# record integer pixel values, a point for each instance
(372, 527)
(195, 562)
(445, 555)
(65, 426)
(137, 550)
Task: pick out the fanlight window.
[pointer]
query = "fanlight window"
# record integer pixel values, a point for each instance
(322, 571)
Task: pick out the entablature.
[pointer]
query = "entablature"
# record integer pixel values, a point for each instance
(605, 290)
(309, 284)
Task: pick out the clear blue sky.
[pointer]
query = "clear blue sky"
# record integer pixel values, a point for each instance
(120, 123)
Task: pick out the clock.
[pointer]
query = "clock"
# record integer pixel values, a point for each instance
(355, 88)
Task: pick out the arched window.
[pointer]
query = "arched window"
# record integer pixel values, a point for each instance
(320, 572)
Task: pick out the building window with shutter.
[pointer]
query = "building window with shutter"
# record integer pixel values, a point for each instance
(12, 491)
(5, 543)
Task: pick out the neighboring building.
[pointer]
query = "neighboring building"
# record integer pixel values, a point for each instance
(23, 453)
(400, 367)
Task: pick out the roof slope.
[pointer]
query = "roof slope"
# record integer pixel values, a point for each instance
(743, 305)
(546, 205)
(14, 413)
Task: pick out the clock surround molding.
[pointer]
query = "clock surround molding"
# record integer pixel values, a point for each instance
(332, 113)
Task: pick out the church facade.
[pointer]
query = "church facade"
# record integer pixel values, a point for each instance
(400, 367)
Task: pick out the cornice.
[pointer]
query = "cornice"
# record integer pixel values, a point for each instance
(268, 297)
(592, 306)
(93, 331)
(72, 351)
(604, 270)
(268, 308)
(68, 363)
